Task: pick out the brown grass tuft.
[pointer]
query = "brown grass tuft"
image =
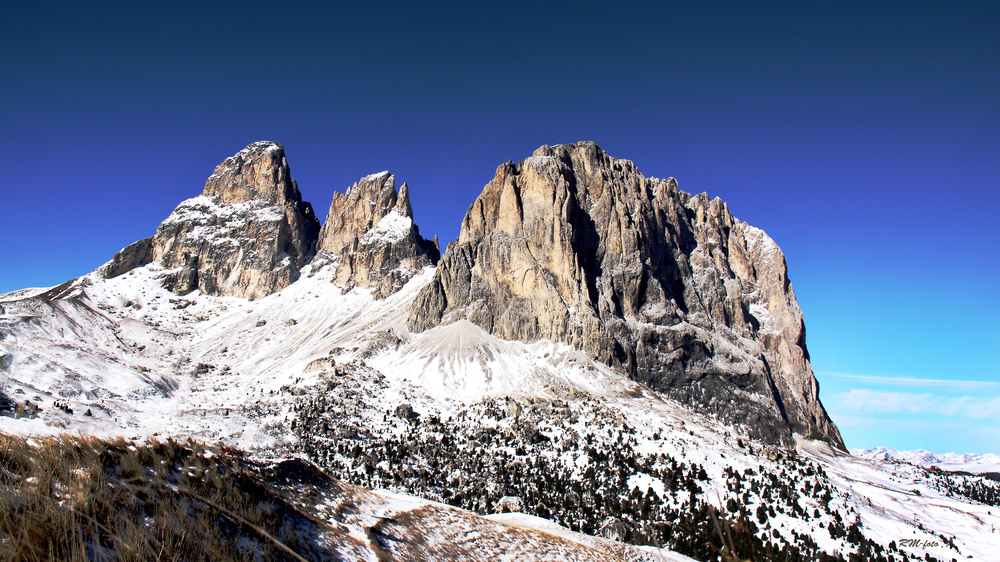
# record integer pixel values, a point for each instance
(81, 498)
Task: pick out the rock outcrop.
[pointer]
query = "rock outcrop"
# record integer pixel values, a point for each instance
(575, 246)
(370, 238)
(136, 254)
(247, 235)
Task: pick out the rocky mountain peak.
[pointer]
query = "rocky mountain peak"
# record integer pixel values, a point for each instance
(370, 237)
(248, 234)
(358, 210)
(403, 202)
(575, 246)
(259, 172)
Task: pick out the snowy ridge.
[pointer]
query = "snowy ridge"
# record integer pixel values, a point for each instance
(370, 178)
(759, 240)
(376, 175)
(976, 464)
(907, 502)
(195, 209)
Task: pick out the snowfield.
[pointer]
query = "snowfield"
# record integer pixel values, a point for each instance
(123, 356)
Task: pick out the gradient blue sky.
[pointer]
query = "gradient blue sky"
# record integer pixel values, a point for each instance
(864, 137)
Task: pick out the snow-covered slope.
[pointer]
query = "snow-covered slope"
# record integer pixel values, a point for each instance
(143, 360)
(337, 377)
(902, 502)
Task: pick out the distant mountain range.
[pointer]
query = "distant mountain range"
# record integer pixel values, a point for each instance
(976, 464)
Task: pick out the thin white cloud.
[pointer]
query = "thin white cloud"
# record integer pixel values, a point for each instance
(903, 381)
(934, 433)
(873, 401)
(26, 214)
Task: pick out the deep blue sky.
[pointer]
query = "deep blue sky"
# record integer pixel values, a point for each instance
(863, 137)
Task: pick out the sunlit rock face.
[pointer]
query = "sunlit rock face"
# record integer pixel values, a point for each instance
(247, 235)
(370, 238)
(576, 246)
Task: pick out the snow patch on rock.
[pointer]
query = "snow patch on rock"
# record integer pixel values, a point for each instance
(392, 228)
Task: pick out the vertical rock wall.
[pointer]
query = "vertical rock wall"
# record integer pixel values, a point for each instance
(575, 246)
(246, 235)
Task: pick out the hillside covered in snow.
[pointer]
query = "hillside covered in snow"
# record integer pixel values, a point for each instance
(262, 332)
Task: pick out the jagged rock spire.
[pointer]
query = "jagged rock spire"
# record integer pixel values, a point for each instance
(249, 233)
(370, 237)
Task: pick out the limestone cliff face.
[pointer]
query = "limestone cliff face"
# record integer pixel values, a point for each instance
(370, 238)
(246, 235)
(578, 247)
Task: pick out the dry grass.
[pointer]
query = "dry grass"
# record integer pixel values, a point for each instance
(80, 498)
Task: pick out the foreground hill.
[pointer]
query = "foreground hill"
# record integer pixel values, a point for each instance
(91, 499)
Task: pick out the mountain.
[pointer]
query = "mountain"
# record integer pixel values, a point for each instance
(371, 237)
(445, 390)
(575, 246)
(249, 233)
(246, 235)
(978, 464)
